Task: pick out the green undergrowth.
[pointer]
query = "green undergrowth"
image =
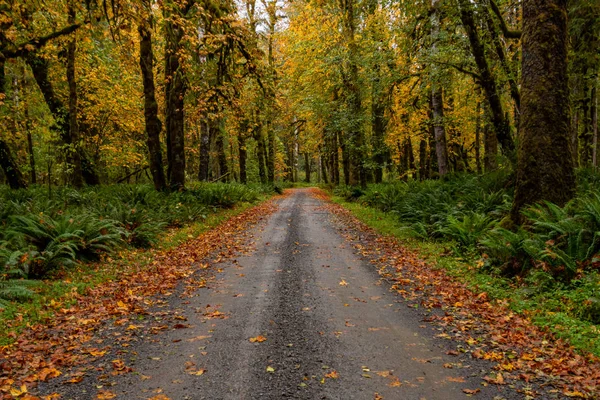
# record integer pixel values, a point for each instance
(564, 303)
(26, 299)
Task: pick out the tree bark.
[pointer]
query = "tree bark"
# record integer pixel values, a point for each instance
(73, 151)
(153, 123)
(203, 170)
(175, 90)
(437, 105)
(220, 147)
(423, 160)
(260, 142)
(545, 168)
(378, 125)
(39, 67)
(478, 138)
(595, 123)
(32, 172)
(307, 167)
(488, 82)
(586, 136)
(355, 135)
(437, 112)
(243, 155)
(490, 145)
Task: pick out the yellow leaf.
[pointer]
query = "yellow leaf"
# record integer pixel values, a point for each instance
(15, 392)
(258, 339)
(198, 373)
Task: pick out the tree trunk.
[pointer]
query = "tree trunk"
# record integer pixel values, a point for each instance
(478, 138)
(271, 153)
(203, 169)
(175, 90)
(490, 145)
(586, 136)
(437, 105)
(423, 160)
(260, 142)
(307, 167)
(378, 125)
(437, 112)
(355, 135)
(32, 172)
(595, 123)
(39, 67)
(510, 74)
(153, 123)
(488, 82)
(545, 166)
(73, 151)
(220, 145)
(243, 154)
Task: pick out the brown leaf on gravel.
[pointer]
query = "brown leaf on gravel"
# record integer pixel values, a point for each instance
(105, 395)
(258, 339)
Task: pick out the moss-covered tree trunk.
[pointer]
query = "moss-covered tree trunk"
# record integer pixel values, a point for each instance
(175, 90)
(436, 103)
(545, 166)
(488, 83)
(40, 69)
(242, 158)
(153, 124)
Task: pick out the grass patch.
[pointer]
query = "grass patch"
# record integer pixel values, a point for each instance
(565, 309)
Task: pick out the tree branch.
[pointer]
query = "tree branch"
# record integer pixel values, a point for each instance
(34, 44)
(505, 30)
(475, 75)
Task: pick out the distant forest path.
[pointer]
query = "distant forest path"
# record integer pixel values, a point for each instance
(301, 313)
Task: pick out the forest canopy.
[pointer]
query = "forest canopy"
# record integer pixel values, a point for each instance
(332, 91)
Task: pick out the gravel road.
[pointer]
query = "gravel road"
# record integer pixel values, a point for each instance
(333, 329)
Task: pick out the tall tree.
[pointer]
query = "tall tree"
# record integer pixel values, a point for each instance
(545, 167)
(153, 124)
(353, 96)
(73, 140)
(437, 104)
(175, 13)
(488, 83)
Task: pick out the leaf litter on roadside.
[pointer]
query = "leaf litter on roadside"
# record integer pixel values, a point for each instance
(42, 351)
(488, 329)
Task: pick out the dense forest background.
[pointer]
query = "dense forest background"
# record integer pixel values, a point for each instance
(330, 91)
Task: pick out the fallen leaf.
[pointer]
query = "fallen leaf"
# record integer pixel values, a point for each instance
(332, 375)
(105, 395)
(257, 339)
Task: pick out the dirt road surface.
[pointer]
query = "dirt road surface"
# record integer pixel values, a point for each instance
(333, 329)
